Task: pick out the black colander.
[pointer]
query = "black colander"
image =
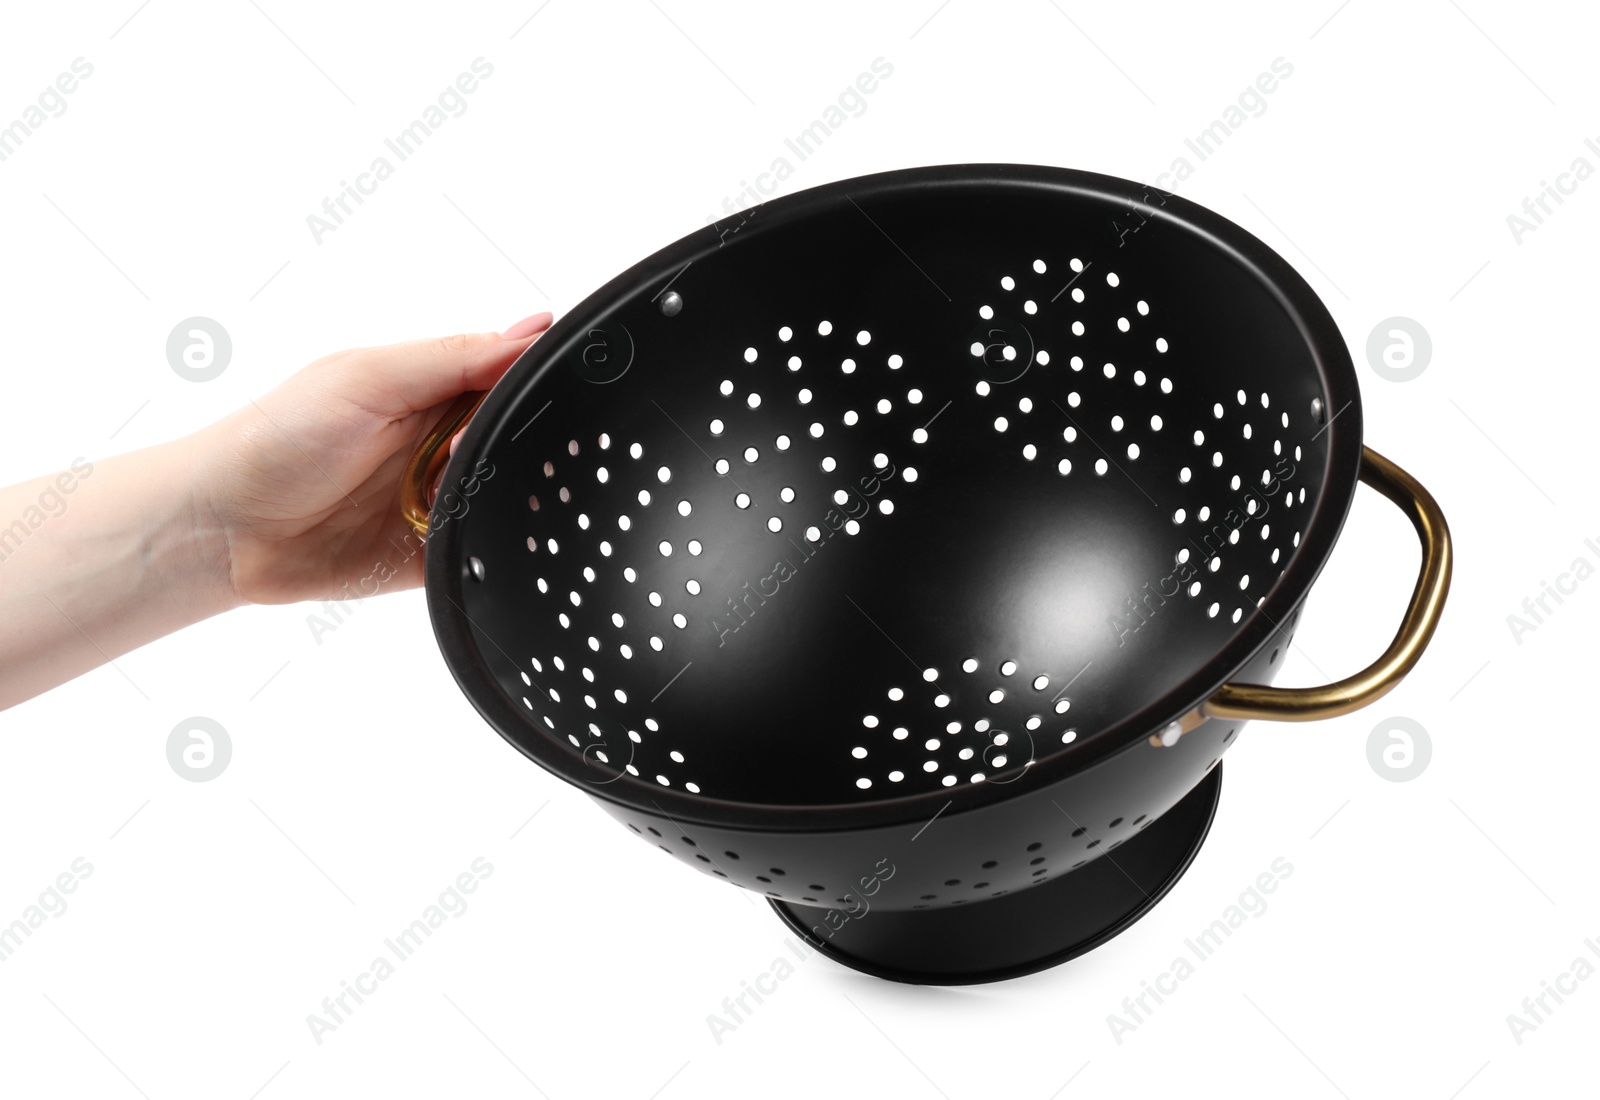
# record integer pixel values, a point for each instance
(909, 550)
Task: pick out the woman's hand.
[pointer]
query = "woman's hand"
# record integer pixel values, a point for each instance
(294, 497)
(304, 484)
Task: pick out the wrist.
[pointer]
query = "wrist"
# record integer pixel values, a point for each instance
(194, 536)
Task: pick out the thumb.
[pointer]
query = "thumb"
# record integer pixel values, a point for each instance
(405, 378)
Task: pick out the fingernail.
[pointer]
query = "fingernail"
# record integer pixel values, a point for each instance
(528, 326)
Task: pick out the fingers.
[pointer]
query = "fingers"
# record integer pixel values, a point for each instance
(455, 441)
(404, 378)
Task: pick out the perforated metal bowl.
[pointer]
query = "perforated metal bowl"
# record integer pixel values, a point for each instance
(909, 551)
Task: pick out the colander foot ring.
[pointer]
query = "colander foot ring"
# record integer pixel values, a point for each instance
(1031, 929)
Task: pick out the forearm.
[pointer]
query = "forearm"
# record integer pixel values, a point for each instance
(100, 559)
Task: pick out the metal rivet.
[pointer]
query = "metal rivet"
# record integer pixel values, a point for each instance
(475, 567)
(671, 304)
(1316, 410)
(1170, 735)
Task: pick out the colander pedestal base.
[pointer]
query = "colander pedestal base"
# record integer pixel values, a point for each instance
(1032, 929)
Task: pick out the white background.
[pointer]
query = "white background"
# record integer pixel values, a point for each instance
(218, 915)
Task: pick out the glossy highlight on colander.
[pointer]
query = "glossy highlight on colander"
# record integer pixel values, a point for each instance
(911, 549)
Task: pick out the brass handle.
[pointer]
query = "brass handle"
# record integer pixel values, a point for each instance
(1416, 629)
(428, 460)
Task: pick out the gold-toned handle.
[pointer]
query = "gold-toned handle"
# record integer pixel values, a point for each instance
(1416, 629)
(429, 458)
